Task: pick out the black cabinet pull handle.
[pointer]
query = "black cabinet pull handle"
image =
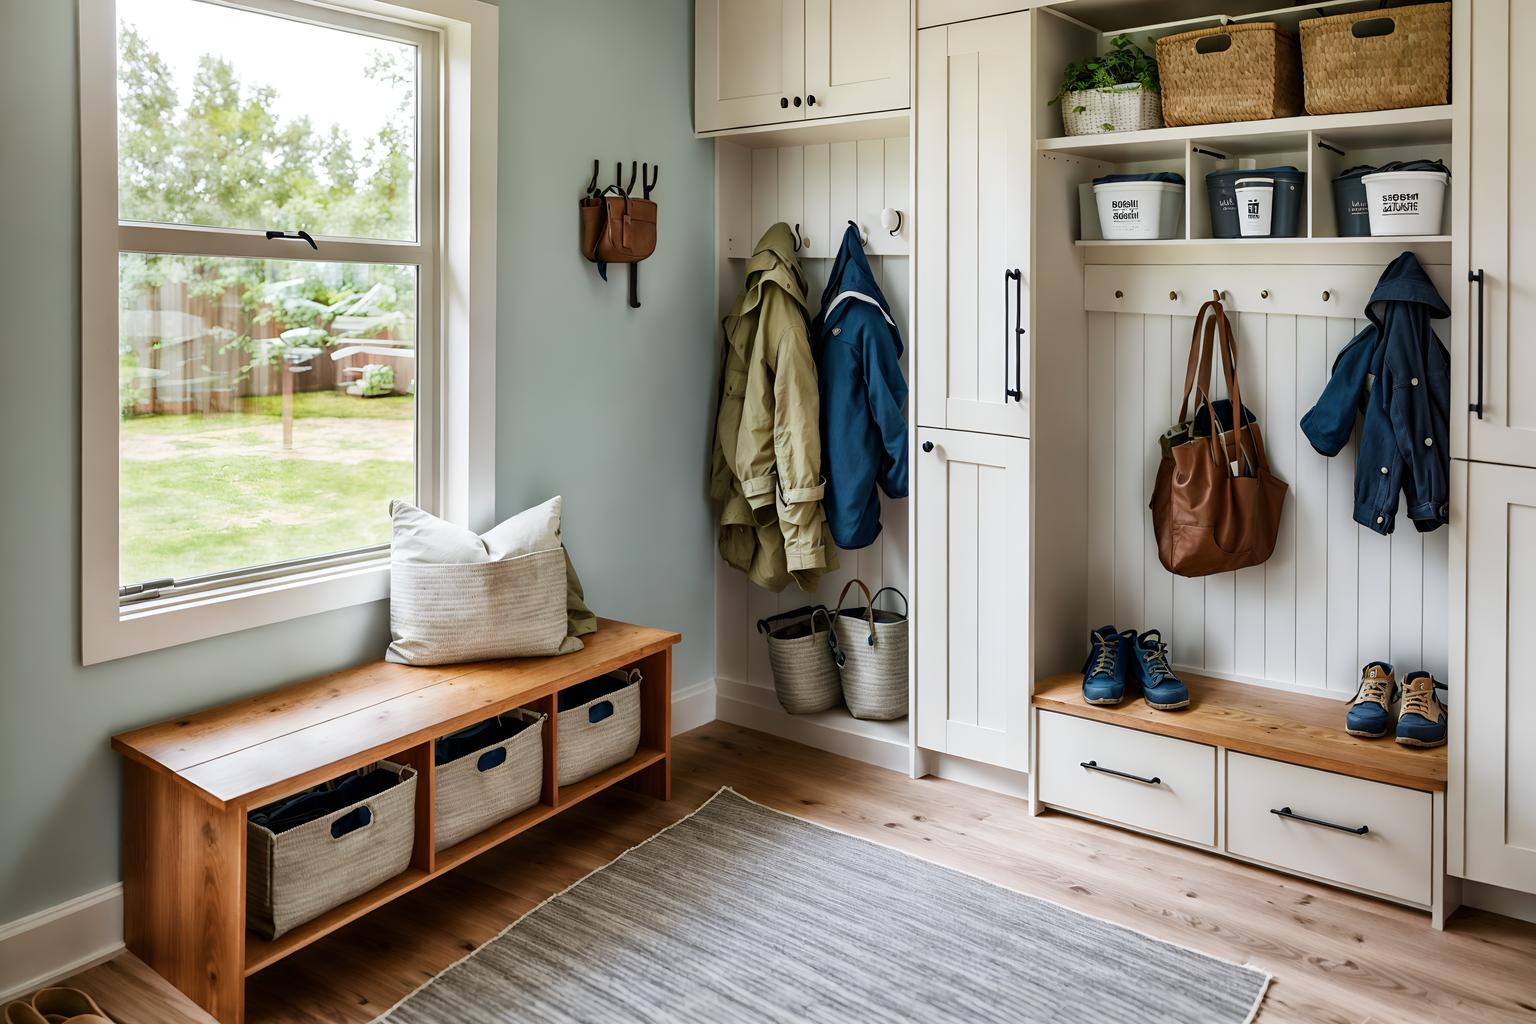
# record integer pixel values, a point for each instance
(797, 101)
(1094, 766)
(1017, 278)
(784, 101)
(810, 100)
(1286, 812)
(1018, 335)
(1477, 278)
(927, 446)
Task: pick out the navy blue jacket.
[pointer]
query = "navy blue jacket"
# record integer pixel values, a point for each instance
(1398, 374)
(863, 393)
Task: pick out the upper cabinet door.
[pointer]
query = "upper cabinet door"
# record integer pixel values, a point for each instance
(1499, 695)
(1503, 236)
(973, 188)
(857, 56)
(749, 63)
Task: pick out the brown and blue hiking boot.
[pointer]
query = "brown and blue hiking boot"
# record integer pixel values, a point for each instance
(1422, 722)
(1370, 712)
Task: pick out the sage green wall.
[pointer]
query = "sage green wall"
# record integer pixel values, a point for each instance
(605, 405)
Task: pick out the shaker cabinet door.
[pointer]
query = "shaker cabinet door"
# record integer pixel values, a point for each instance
(749, 63)
(858, 56)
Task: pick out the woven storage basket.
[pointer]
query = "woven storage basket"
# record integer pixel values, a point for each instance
(805, 675)
(295, 876)
(491, 784)
(1125, 108)
(872, 656)
(598, 725)
(1408, 65)
(1257, 76)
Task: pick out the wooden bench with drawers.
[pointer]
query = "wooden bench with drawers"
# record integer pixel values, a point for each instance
(189, 783)
(1259, 774)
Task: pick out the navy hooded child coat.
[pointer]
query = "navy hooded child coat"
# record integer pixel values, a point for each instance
(863, 428)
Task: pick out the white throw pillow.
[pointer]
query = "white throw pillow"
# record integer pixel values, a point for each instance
(456, 596)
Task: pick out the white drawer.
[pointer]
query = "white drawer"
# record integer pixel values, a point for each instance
(1177, 798)
(1393, 858)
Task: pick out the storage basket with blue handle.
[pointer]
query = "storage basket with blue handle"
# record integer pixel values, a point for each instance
(598, 725)
(487, 773)
(314, 851)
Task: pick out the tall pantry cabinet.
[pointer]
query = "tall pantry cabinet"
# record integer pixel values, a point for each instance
(1495, 487)
(973, 390)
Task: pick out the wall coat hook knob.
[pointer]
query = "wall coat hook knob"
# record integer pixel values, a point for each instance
(1119, 294)
(890, 219)
(1173, 296)
(1215, 294)
(1264, 294)
(927, 446)
(1327, 295)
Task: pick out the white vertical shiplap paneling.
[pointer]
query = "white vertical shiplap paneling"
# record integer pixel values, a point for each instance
(817, 194)
(1332, 596)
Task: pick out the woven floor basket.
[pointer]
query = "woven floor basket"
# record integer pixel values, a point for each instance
(1409, 66)
(1257, 77)
(872, 656)
(805, 678)
(1121, 109)
(295, 876)
(471, 799)
(586, 746)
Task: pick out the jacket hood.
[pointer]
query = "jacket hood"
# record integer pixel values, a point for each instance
(852, 280)
(779, 241)
(774, 262)
(1404, 280)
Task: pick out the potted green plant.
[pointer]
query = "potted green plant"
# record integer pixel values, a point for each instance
(1114, 92)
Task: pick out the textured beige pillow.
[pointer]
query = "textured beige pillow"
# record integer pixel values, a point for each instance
(459, 596)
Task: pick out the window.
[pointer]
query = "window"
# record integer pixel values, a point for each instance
(274, 365)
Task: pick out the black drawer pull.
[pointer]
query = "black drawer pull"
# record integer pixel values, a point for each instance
(1286, 812)
(1094, 766)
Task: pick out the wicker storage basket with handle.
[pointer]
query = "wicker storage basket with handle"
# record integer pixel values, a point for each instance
(1378, 59)
(1230, 73)
(800, 653)
(872, 655)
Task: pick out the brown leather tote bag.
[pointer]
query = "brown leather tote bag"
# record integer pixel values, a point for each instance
(1216, 506)
(617, 228)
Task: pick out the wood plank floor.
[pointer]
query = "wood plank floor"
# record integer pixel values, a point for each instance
(1337, 958)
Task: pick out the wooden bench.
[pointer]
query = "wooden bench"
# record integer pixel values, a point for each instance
(189, 783)
(1257, 774)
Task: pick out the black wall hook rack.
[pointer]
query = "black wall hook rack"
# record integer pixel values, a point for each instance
(645, 175)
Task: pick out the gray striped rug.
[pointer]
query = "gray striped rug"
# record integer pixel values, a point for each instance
(739, 913)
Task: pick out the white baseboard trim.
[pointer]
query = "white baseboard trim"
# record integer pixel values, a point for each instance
(1498, 900)
(836, 731)
(693, 706)
(973, 773)
(52, 944)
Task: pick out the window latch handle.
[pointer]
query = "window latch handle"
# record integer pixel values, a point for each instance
(298, 236)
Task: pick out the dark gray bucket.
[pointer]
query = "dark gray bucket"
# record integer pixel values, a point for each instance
(1290, 198)
(1351, 210)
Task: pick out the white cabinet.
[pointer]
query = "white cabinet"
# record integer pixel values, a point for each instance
(1500, 691)
(972, 587)
(1502, 238)
(762, 62)
(973, 191)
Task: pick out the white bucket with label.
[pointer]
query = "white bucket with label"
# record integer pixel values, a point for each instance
(1255, 206)
(1406, 202)
(1132, 209)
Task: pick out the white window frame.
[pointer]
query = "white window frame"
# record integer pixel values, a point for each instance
(456, 329)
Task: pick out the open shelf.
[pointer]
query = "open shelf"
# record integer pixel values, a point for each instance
(261, 952)
(1410, 126)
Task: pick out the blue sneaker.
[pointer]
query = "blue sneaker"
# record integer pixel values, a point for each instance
(1422, 723)
(1104, 671)
(1163, 690)
(1370, 712)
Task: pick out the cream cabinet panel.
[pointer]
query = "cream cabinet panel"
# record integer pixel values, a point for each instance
(857, 56)
(973, 182)
(973, 679)
(1503, 235)
(1500, 711)
(749, 63)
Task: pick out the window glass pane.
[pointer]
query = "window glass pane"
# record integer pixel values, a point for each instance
(267, 406)
(238, 119)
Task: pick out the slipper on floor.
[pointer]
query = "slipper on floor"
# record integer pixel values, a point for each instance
(69, 1005)
(21, 1012)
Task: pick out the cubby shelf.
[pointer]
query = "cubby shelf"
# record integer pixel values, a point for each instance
(1374, 129)
(1408, 240)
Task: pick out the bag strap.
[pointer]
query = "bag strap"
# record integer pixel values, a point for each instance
(904, 607)
(869, 605)
(767, 625)
(1252, 453)
(1199, 356)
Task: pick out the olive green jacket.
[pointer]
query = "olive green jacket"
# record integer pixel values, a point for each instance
(765, 476)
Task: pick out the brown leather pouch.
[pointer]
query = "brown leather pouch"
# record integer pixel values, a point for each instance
(617, 229)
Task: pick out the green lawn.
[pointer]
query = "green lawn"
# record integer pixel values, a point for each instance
(201, 494)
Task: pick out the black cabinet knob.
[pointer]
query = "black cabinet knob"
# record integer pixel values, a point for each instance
(784, 101)
(810, 100)
(797, 101)
(927, 446)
